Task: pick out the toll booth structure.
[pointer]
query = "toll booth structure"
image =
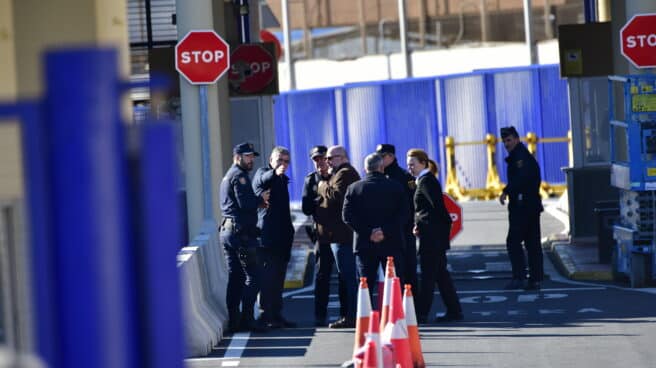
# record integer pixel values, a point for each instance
(633, 171)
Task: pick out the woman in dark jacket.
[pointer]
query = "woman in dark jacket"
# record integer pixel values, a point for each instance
(432, 228)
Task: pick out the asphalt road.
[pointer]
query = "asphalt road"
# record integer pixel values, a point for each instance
(566, 324)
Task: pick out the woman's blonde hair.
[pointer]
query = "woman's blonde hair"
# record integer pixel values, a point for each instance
(422, 157)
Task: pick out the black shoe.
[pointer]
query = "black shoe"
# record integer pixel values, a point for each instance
(515, 284)
(259, 325)
(532, 285)
(343, 323)
(449, 317)
(282, 323)
(320, 322)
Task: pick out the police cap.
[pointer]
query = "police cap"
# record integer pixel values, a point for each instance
(244, 149)
(318, 151)
(507, 131)
(384, 148)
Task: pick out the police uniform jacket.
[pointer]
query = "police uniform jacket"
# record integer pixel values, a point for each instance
(407, 181)
(524, 180)
(332, 201)
(431, 215)
(376, 202)
(310, 202)
(238, 201)
(275, 222)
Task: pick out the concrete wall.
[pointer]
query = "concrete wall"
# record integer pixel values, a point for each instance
(328, 73)
(11, 183)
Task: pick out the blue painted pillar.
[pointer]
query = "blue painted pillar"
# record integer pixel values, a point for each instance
(89, 217)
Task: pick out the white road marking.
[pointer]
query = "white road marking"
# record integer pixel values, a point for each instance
(237, 346)
(484, 299)
(589, 310)
(590, 288)
(551, 311)
(230, 363)
(525, 298)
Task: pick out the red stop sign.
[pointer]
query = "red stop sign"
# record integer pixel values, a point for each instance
(202, 57)
(638, 40)
(252, 68)
(456, 215)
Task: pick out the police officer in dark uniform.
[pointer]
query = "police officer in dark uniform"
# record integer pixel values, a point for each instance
(277, 234)
(238, 236)
(377, 210)
(524, 208)
(407, 181)
(323, 255)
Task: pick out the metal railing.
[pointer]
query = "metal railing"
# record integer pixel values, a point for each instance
(493, 183)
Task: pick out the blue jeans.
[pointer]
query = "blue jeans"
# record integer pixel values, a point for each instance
(345, 261)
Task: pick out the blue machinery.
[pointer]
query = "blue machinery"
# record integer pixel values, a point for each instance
(102, 219)
(633, 171)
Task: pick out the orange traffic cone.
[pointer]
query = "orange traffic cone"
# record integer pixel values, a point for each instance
(370, 356)
(396, 331)
(413, 329)
(381, 287)
(364, 310)
(374, 335)
(387, 289)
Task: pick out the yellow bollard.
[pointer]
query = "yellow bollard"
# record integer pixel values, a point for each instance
(493, 183)
(570, 148)
(532, 142)
(532, 145)
(452, 186)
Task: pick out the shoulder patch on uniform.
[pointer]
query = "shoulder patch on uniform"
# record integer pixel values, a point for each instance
(242, 180)
(412, 184)
(520, 163)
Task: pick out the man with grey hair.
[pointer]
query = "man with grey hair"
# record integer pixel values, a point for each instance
(277, 234)
(376, 209)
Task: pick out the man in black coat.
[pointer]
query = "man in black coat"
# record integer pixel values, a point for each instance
(277, 234)
(407, 181)
(524, 208)
(323, 255)
(376, 208)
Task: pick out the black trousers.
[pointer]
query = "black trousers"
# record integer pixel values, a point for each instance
(410, 263)
(325, 261)
(273, 267)
(243, 276)
(433, 265)
(368, 261)
(525, 228)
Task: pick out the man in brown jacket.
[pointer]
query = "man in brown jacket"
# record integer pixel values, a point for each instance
(332, 192)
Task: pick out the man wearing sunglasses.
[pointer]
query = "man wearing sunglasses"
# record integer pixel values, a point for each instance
(277, 234)
(332, 192)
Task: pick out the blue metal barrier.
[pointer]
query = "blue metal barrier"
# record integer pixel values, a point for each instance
(422, 112)
(95, 299)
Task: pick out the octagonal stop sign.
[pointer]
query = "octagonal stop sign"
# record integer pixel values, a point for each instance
(455, 211)
(638, 40)
(202, 57)
(252, 68)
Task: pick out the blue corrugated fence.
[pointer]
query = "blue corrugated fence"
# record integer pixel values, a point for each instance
(420, 113)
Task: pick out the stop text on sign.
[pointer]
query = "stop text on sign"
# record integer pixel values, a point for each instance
(206, 56)
(638, 40)
(641, 41)
(202, 56)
